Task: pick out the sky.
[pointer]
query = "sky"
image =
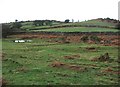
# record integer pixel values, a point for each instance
(81, 10)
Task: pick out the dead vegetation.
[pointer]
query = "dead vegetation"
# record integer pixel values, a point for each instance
(3, 82)
(2, 56)
(103, 39)
(93, 49)
(77, 68)
(72, 56)
(22, 69)
(58, 64)
(110, 70)
(102, 58)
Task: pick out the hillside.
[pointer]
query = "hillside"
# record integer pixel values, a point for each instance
(99, 23)
(111, 23)
(46, 52)
(94, 25)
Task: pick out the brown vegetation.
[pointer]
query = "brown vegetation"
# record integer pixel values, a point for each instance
(102, 58)
(58, 64)
(22, 69)
(110, 70)
(72, 56)
(105, 39)
(91, 49)
(2, 55)
(3, 82)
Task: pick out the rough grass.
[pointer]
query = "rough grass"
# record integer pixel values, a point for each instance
(32, 64)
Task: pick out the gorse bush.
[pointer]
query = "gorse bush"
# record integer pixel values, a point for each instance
(85, 38)
(95, 38)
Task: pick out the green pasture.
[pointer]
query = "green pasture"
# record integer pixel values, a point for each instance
(78, 29)
(98, 24)
(31, 63)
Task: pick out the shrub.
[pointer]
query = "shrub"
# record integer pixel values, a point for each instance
(117, 26)
(95, 38)
(85, 38)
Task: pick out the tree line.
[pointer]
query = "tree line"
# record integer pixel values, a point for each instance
(9, 28)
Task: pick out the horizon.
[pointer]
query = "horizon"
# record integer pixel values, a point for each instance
(58, 20)
(61, 10)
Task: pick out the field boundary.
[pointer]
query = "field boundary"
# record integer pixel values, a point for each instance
(68, 33)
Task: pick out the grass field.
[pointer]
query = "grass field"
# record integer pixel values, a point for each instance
(79, 29)
(43, 63)
(98, 23)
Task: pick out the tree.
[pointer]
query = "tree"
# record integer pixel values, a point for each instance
(67, 21)
(16, 25)
(35, 23)
(10, 28)
(42, 22)
(16, 20)
(48, 22)
(38, 23)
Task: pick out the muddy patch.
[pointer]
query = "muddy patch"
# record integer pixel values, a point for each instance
(58, 64)
(72, 56)
(90, 66)
(22, 69)
(93, 49)
(110, 70)
(77, 68)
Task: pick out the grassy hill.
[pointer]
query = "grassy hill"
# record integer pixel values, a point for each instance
(98, 22)
(55, 61)
(94, 25)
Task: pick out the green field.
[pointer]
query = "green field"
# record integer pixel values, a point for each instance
(55, 61)
(97, 22)
(98, 25)
(79, 29)
(34, 63)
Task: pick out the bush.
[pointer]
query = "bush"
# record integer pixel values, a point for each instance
(85, 38)
(117, 26)
(67, 21)
(95, 38)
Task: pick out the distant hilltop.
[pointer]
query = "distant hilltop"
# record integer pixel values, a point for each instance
(108, 20)
(68, 20)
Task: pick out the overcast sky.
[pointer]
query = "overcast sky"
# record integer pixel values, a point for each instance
(81, 10)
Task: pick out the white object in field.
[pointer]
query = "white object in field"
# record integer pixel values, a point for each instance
(19, 41)
(16, 41)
